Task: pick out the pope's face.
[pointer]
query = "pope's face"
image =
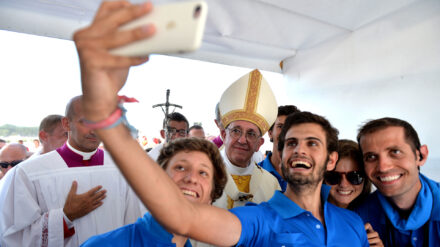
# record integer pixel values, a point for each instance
(240, 149)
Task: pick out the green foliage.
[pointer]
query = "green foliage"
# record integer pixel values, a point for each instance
(11, 130)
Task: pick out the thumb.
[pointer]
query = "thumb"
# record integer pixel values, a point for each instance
(73, 188)
(368, 227)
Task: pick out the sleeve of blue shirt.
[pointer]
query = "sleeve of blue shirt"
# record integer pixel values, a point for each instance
(252, 224)
(119, 237)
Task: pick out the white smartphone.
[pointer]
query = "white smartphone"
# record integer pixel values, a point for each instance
(179, 29)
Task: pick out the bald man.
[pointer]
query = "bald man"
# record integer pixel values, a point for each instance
(10, 156)
(64, 197)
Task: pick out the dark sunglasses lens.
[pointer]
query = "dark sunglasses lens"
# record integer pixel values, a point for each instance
(12, 163)
(355, 178)
(332, 178)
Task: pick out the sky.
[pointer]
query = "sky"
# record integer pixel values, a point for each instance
(39, 75)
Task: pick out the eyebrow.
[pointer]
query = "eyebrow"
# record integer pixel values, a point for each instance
(187, 162)
(307, 138)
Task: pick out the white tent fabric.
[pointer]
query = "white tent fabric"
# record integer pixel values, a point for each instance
(349, 60)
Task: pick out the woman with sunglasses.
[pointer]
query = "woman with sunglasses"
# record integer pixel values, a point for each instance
(349, 183)
(350, 186)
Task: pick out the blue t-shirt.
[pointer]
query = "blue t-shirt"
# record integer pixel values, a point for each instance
(423, 222)
(267, 165)
(146, 231)
(281, 222)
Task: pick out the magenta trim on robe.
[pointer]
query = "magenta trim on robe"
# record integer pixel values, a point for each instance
(218, 141)
(73, 159)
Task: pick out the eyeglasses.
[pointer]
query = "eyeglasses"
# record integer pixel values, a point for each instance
(236, 133)
(354, 177)
(173, 131)
(12, 163)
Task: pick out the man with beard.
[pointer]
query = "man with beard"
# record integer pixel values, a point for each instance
(308, 146)
(46, 202)
(272, 163)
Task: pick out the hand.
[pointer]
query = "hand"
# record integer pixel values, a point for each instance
(103, 74)
(373, 236)
(78, 205)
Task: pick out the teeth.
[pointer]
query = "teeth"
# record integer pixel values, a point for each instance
(344, 192)
(189, 193)
(300, 164)
(389, 178)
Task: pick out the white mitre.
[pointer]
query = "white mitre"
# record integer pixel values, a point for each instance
(251, 99)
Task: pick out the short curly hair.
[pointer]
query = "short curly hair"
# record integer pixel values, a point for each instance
(200, 145)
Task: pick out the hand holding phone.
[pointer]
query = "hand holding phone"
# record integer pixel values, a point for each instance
(179, 29)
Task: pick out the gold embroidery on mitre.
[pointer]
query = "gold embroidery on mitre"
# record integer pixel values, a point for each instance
(250, 106)
(254, 118)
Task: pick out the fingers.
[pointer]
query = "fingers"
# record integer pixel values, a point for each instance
(73, 188)
(373, 236)
(93, 190)
(99, 196)
(108, 7)
(113, 19)
(120, 38)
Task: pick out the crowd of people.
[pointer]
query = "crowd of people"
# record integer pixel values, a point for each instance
(312, 189)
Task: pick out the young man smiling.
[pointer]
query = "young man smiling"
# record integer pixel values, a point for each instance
(405, 209)
(196, 167)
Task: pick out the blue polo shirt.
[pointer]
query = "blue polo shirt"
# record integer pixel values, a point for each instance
(146, 231)
(281, 222)
(267, 165)
(422, 224)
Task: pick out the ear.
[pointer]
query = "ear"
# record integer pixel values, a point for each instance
(43, 136)
(65, 124)
(269, 132)
(332, 159)
(260, 142)
(223, 134)
(424, 153)
(216, 123)
(162, 134)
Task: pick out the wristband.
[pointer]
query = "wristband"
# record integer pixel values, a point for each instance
(116, 118)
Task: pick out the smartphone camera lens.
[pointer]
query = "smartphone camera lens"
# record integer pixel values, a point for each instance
(197, 11)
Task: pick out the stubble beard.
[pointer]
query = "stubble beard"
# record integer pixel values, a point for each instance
(300, 183)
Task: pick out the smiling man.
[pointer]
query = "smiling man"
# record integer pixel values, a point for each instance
(248, 108)
(197, 169)
(273, 159)
(176, 126)
(40, 204)
(405, 209)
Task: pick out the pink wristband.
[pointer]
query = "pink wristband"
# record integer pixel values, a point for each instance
(117, 117)
(113, 118)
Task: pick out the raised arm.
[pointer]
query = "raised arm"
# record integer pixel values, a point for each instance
(103, 75)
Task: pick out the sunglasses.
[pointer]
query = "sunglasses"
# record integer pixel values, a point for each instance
(354, 177)
(12, 163)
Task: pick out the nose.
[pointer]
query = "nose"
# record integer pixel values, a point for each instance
(344, 182)
(242, 138)
(299, 148)
(384, 164)
(190, 176)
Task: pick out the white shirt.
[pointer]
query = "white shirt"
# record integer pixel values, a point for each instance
(32, 201)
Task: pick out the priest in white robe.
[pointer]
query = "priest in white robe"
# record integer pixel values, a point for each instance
(64, 197)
